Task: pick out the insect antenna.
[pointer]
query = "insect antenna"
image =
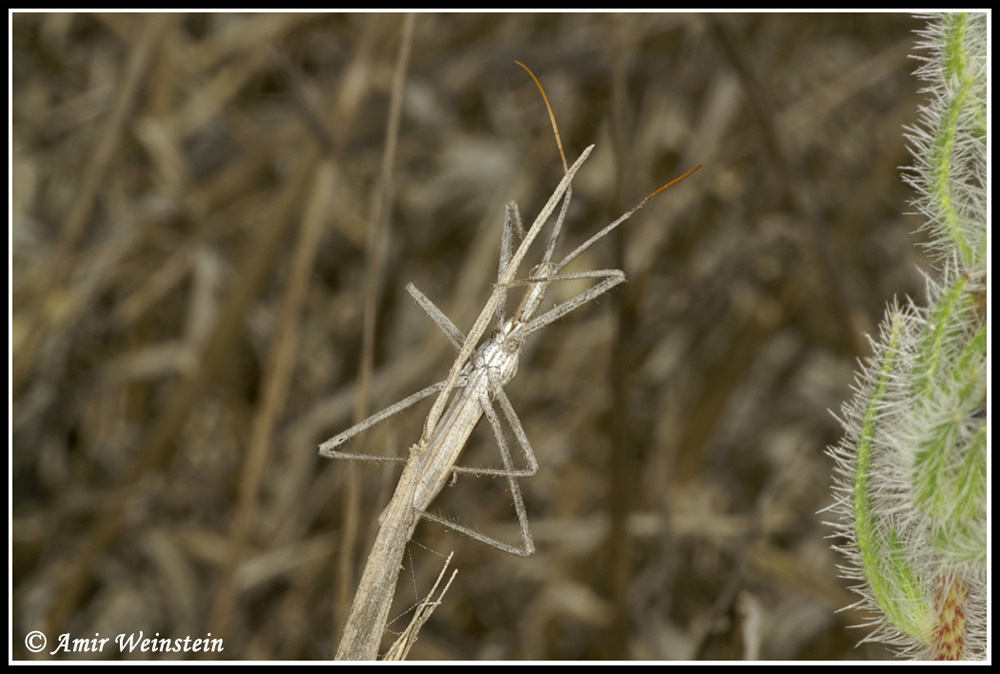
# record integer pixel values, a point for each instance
(558, 226)
(596, 237)
(552, 116)
(550, 248)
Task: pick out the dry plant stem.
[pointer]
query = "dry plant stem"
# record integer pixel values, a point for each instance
(401, 647)
(623, 447)
(378, 226)
(277, 381)
(256, 264)
(370, 610)
(378, 232)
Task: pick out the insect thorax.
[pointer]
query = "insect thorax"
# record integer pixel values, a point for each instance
(498, 357)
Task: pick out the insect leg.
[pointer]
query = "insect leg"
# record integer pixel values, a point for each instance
(327, 448)
(557, 228)
(453, 334)
(612, 277)
(528, 547)
(511, 223)
(522, 440)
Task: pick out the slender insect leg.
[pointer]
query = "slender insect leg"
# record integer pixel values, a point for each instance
(453, 334)
(515, 424)
(612, 277)
(526, 551)
(327, 448)
(593, 273)
(511, 224)
(557, 228)
(522, 515)
(522, 439)
(511, 220)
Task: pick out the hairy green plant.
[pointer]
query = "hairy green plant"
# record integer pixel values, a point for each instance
(911, 470)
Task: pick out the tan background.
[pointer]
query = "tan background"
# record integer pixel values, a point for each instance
(166, 169)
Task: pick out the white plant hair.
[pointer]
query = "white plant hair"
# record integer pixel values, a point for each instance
(910, 493)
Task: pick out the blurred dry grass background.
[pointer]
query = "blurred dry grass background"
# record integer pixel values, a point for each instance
(192, 196)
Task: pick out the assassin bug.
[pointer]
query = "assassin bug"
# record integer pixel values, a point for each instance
(476, 380)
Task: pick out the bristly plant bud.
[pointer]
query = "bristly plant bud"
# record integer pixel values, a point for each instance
(910, 494)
